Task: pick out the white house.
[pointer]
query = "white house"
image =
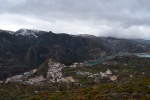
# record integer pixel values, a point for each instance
(104, 75)
(108, 72)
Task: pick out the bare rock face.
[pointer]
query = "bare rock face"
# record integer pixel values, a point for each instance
(62, 48)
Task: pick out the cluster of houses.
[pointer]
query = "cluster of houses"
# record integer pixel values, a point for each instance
(35, 80)
(103, 75)
(54, 73)
(76, 64)
(108, 74)
(21, 77)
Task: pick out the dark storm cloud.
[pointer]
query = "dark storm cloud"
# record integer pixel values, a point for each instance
(119, 18)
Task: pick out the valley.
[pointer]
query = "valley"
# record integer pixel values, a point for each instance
(36, 64)
(122, 75)
(75, 50)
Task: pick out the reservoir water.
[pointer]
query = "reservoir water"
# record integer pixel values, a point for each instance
(143, 55)
(95, 62)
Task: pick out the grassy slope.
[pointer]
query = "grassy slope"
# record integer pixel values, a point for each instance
(137, 87)
(15, 91)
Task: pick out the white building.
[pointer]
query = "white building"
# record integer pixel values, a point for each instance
(108, 72)
(103, 75)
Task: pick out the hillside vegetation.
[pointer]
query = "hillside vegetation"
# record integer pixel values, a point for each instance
(133, 83)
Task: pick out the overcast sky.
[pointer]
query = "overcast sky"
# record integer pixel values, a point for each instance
(117, 18)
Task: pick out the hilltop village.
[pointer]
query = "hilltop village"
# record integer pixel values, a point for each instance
(113, 78)
(54, 74)
(110, 69)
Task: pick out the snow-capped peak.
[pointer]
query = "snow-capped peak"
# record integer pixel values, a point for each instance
(27, 32)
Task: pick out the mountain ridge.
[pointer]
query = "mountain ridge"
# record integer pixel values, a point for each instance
(27, 51)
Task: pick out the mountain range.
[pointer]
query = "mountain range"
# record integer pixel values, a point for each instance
(27, 49)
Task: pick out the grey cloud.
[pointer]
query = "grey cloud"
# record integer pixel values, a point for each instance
(116, 15)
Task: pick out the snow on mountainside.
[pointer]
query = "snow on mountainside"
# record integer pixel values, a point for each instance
(27, 32)
(87, 35)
